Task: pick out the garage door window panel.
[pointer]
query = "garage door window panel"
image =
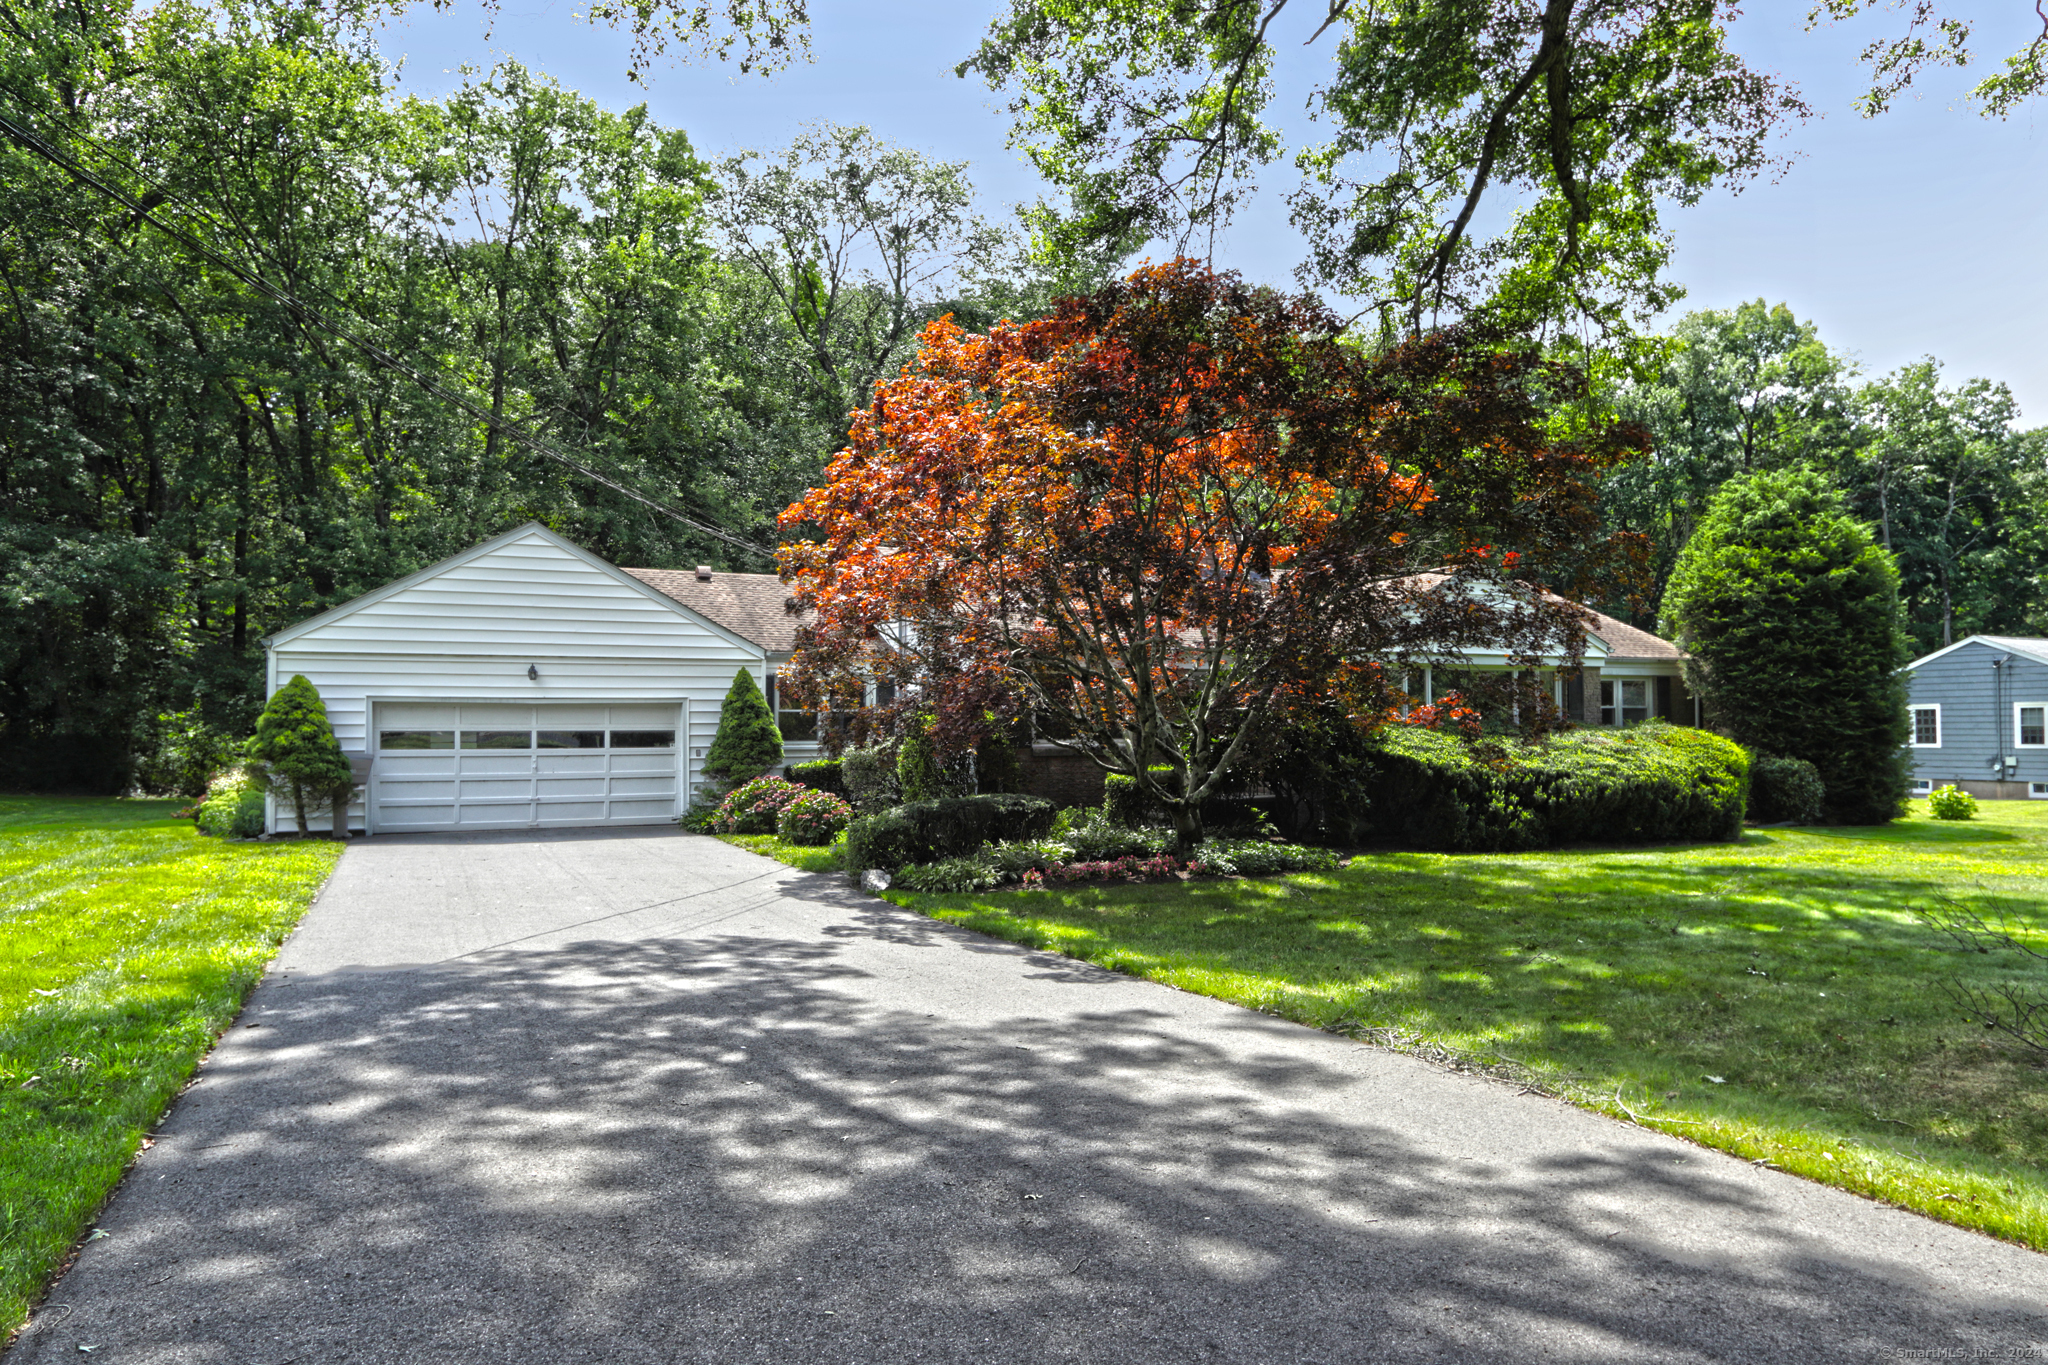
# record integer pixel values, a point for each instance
(497, 739)
(400, 740)
(570, 739)
(643, 739)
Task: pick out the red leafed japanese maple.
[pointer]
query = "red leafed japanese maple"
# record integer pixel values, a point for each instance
(1173, 511)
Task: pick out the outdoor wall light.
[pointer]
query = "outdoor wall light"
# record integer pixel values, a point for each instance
(533, 672)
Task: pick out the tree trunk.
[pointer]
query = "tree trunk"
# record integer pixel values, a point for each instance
(299, 805)
(1187, 829)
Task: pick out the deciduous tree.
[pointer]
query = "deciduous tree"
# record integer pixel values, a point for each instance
(1165, 513)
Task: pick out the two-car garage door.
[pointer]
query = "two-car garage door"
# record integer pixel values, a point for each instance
(441, 767)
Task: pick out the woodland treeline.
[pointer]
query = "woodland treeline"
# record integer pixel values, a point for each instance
(188, 461)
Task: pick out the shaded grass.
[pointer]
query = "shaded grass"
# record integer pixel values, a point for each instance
(1789, 966)
(127, 942)
(808, 857)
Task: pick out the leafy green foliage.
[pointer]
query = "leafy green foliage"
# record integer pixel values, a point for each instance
(870, 777)
(233, 808)
(1791, 613)
(925, 831)
(1785, 790)
(921, 774)
(1653, 783)
(1951, 803)
(971, 872)
(748, 739)
(821, 774)
(1148, 117)
(127, 943)
(295, 756)
(814, 819)
(1126, 802)
(756, 807)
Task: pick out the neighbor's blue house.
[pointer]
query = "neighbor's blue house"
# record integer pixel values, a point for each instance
(1980, 717)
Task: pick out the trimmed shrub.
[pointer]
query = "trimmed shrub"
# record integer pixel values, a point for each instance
(1652, 783)
(926, 831)
(1951, 803)
(1791, 613)
(1126, 803)
(756, 807)
(294, 754)
(820, 774)
(870, 778)
(922, 773)
(748, 741)
(1785, 791)
(996, 768)
(233, 808)
(815, 819)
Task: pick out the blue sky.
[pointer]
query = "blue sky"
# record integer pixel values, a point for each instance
(1924, 232)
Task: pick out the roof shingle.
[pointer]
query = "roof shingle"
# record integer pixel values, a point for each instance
(751, 605)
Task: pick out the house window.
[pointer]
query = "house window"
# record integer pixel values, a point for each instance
(2030, 723)
(1624, 701)
(796, 725)
(1927, 727)
(2038, 791)
(1923, 786)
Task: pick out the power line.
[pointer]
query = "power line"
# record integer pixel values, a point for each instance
(313, 317)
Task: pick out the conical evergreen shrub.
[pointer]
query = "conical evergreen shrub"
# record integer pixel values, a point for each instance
(748, 742)
(295, 754)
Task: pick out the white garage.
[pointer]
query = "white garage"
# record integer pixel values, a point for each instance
(527, 684)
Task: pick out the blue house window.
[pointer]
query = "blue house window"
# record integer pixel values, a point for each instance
(2030, 720)
(1927, 727)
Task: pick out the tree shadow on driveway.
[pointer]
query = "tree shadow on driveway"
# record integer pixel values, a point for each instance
(731, 1148)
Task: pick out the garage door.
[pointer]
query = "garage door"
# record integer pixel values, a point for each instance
(441, 767)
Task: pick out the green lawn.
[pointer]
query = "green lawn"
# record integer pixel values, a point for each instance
(1775, 998)
(127, 942)
(805, 856)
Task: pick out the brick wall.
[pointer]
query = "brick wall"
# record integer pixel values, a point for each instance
(1062, 778)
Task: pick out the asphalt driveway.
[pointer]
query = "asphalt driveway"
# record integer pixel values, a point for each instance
(638, 1096)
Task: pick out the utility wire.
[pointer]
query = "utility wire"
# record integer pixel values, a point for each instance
(313, 317)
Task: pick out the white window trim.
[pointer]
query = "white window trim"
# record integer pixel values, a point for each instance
(2037, 791)
(1913, 735)
(2017, 707)
(1923, 786)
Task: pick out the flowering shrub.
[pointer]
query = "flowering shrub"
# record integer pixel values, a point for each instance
(814, 818)
(1951, 803)
(755, 807)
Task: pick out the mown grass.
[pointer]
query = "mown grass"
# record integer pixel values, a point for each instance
(807, 857)
(1776, 998)
(127, 942)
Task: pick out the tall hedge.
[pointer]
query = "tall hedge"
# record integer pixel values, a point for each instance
(748, 742)
(1791, 613)
(295, 755)
(1654, 783)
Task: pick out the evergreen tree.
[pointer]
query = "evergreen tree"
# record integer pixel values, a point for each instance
(1791, 613)
(748, 742)
(295, 753)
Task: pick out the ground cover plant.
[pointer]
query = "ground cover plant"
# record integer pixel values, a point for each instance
(127, 941)
(1778, 997)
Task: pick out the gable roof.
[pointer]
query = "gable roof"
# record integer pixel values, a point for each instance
(1625, 641)
(751, 604)
(2026, 648)
(532, 530)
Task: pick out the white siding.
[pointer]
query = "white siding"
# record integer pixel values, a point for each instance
(469, 632)
(527, 595)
